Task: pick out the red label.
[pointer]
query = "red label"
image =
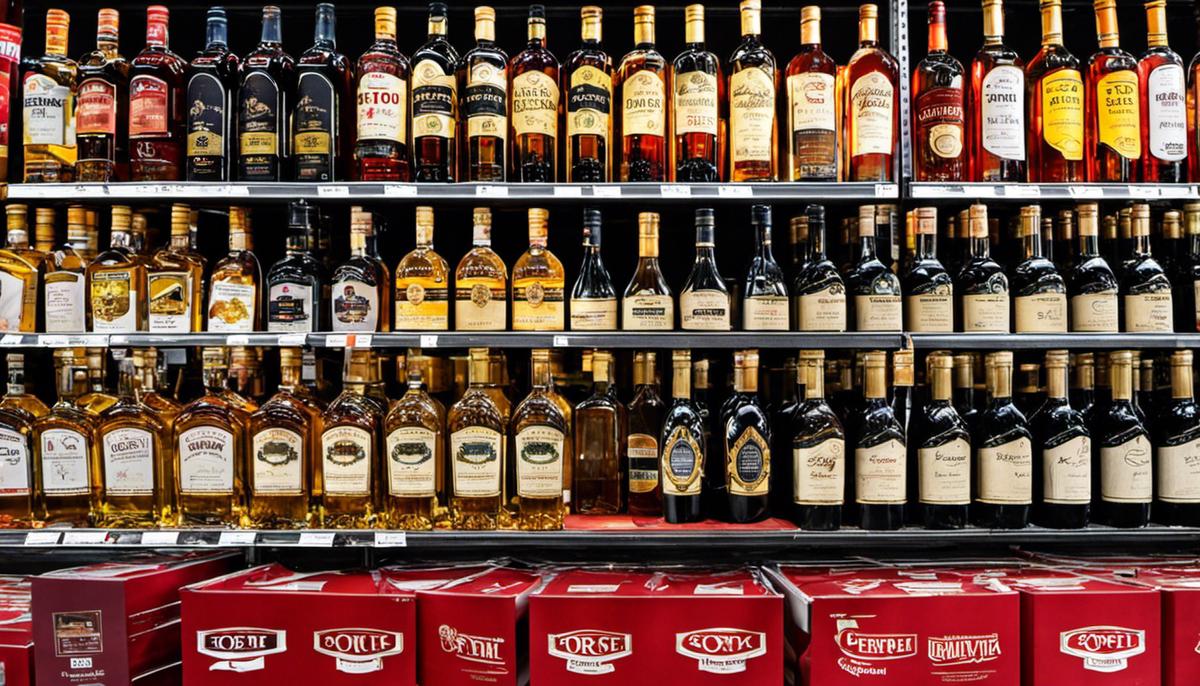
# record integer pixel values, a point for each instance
(1104, 641)
(10, 43)
(147, 107)
(156, 31)
(867, 646)
(96, 107)
(358, 643)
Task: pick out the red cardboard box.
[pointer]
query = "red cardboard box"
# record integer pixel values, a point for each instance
(16, 632)
(474, 630)
(1179, 589)
(640, 628)
(107, 624)
(900, 627)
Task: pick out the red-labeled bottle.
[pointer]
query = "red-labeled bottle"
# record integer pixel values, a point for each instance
(10, 60)
(101, 122)
(938, 110)
(156, 105)
(381, 153)
(871, 109)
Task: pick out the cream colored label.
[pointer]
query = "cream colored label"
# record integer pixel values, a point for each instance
(824, 310)
(643, 105)
(115, 302)
(346, 461)
(1002, 112)
(381, 102)
(64, 302)
(480, 307)
(704, 310)
(880, 473)
(695, 106)
(1042, 313)
(872, 107)
(985, 312)
(682, 463)
(421, 305)
(819, 473)
(535, 104)
(642, 451)
(1094, 312)
(129, 461)
(878, 313)
(1006, 473)
(589, 102)
(945, 473)
(538, 305)
(1067, 472)
(15, 470)
(765, 313)
(648, 312)
(278, 456)
(1120, 113)
(539, 462)
(1178, 472)
(434, 100)
(1148, 312)
(489, 85)
(1062, 112)
(475, 453)
(751, 116)
(1126, 472)
(811, 102)
(599, 314)
(930, 313)
(412, 462)
(206, 461)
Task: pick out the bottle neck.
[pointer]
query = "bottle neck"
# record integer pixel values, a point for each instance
(272, 31)
(540, 374)
(814, 380)
(993, 23)
(681, 381)
(762, 241)
(1121, 378)
(937, 35)
(810, 32)
(940, 388)
(1052, 32)
(156, 33)
(868, 35)
(694, 31)
(816, 240)
(874, 383)
(1141, 245)
(1056, 382)
(1089, 245)
(1181, 381)
(217, 33)
(1106, 26)
(1001, 384)
(1156, 24)
(324, 31)
(926, 246)
(980, 247)
(1031, 241)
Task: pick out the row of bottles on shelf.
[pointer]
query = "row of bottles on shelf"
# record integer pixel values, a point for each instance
(443, 117)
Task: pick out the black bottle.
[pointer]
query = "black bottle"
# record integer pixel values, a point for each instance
(1177, 450)
(1125, 465)
(211, 79)
(940, 453)
(1062, 472)
(747, 431)
(265, 94)
(683, 446)
(1003, 455)
(880, 458)
(818, 452)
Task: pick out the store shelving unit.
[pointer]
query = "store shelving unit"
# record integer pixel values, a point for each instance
(1067, 192)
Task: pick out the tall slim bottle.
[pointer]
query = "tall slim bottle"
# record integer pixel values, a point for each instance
(880, 460)
(266, 92)
(48, 107)
(483, 80)
(541, 450)
(642, 93)
(1164, 92)
(101, 120)
(683, 445)
(753, 81)
(1113, 105)
(764, 291)
(1003, 455)
(587, 78)
(996, 105)
(435, 103)
(1054, 105)
(156, 105)
(938, 115)
(1091, 285)
(746, 427)
(812, 106)
(1176, 447)
(211, 79)
(381, 145)
(535, 106)
(697, 97)
(598, 483)
(818, 452)
(1062, 472)
(1126, 453)
(324, 93)
(871, 110)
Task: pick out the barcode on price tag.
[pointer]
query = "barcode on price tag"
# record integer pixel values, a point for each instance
(560, 342)
(391, 539)
(160, 538)
(316, 539)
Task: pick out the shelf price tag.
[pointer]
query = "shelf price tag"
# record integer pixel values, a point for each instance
(606, 191)
(292, 340)
(85, 537)
(48, 341)
(560, 342)
(886, 190)
(391, 539)
(1020, 190)
(397, 190)
(336, 191)
(42, 537)
(429, 340)
(733, 190)
(316, 539)
(160, 538)
(980, 191)
(237, 339)
(491, 191)
(675, 190)
(348, 340)
(236, 189)
(10, 340)
(1085, 191)
(1141, 191)
(237, 538)
(1174, 191)
(568, 191)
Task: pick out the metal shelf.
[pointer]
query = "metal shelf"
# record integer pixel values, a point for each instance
(1036, 341)
(1018, 192)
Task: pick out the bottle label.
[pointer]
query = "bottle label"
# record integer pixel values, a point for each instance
(985, 312)
(695, 104)
(1167, 108)
(355, 306)
(1148, 312)
(880, 472)
(878, 313)
(314, 121)
(1126, 474)
(1120, 117)
(434, 100)
(1067, 472)
(820, 473)
(231, 307)
(1003, 112)
(824, 310)
(751, 116)
(47, 109)
(704, 310)
(1006, 473)
(96, 107)
(412, 462)
(206, 461)
(944, 473)
(66, 463)
(64, 293)
(422, 304)
(1062, 112)
(207, 110)
(170, 306)
(539, 461)
(1094, 312)
(748, 464)
(14, 463)
(642, 451)
(14, 292)
(475, 455)
(765, 313)
(940, 113)
(258, 128)
(148, 109)
(812, 102)
(486, 101)
(1042, 313)
(872, 107)
(381, 99)
(290, 308)
(643, 105)
(593, 314)
(278, 462)
(682, 463)
(114, 302)
(589, 102)
(346, 461)
(10, 55)
(480, 307)
(930, 312)
(647, 312)
(537, 305)
(534, 104)
(1178, 472)
(128, 462)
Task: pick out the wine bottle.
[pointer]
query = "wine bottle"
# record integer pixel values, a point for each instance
(747, 432)
(1177, 450)
(593, 298)
(875, 289)
(1003, 455)
(940, 450)
(929, 289)
(1145, 288)
(1126, 468)
(645, 413)
(647, 304)
(1039, 292)
(704, 300)
(964, 388)
(683, 447)
(819, 294)
(880, 462)
(1062, 473)
(765, 307)
(818, 452)
(1092, 285)
(982, 283)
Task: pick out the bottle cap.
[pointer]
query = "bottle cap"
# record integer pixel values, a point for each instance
(760, 214)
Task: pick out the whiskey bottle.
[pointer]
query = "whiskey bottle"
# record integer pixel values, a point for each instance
(117, 282)
(1145, 288)
(535, 95)
(982, 283)
(358, 292)
(593, 298)
(871, 110)
(1062, 473)
(764, 291)
(435, 103)
(1039, 292)
(598, 486)
(753, 80)
(351, 446)
(1163, 89)
(818, 447)
(940, 451)
(211, 80)
(819, 294)
(880, 466)
(697, 98)
(96, 398)
(541, 449)
(746, 428)
(1055, 98)
(66, 462)
(1092, 285)
(415, 456)
(17, 398)
(704, 300)
(481, 282)
(295, 284)
(483, 79)
(647, 304)
(266, 90)
(209, 445)
(324, 91)
(381, 148)
(64, 277)
(19, 270)
(1176, 443)
(283, 433)
(423, 283)
(538, 282)
(478, 433)
(683, 446)
(156, 105)
(646, 411)
(233, 290)
(135, 461)
(1126, 465)
(875, 289)
(642, 90)
(1113, 106)
(101, 120)
(938, 119)
(174, 278)
(996, 103)
(1003, 455)
(48, 108)
(587, 76)
(812, 106)
(17, 483)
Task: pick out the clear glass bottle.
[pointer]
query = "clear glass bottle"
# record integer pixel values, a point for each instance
(101, 121)
(938, 113)
(541, 450)
(642, 92)
(17, 482)
(647, 304)
(478, 434)
(535, 106)
(812, 106)
(135, 461)
(235, 284)
(871, 110)
(1113, 109)
(593, 298)
(66, 458)
(645, 411)
(415, 455)
(117, 281)
(587, 78)
(19, 269)
(765, 292)
(352, 446)
(996, 103)
(1163, 89)
(48, 107)
(283, 436)
(753, 81)
(358, 297)
(483, 80)
(174, 281)
(381, 146)
(598, 486)
(538, 282)
(296, 284)
(704, 301)
(1054, 102)
(481, 282)
(422, 298)
(17, 398)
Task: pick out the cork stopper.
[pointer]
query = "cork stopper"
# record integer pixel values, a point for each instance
(44, 226)
(1141, 220)
(108, 23)
(539, 218)
(122, 217)
(181, 219)
(978, 221)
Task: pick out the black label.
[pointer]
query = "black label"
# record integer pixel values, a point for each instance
(286, 310)
(433, 99)
(681, 460)
(207, 143)
(485, 99)
(258, 128)
(587, 96)
(313, 127)
(749, 462)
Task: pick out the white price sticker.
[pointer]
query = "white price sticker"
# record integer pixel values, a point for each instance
(1175, 191)
(337, 191)
(237, 339)
(886, 190)
(292, 340)
(491, 191)
(85, 537)
(316, 539)
(11, 340)
(160, 538)
(400, 190)
(429, 340)
(237, 538)
(675, 190)
(1085, 191)
(560, 342)
(1020, 190)
(54, 341)
(1140, 191)
(606, 191)
(391, 539)
(236, 189)
(42, 537)
(733, 190)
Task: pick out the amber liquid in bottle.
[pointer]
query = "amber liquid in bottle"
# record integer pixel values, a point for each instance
(812, 107)
(478, 432)
(541, 450)
(381, 149)
(753, 82)
(49, 89)
(996, 136)
(483, 80)
(1113, 107)
(415, 448)
(435, 103)
(697, 96)
(642, 92)
(535, 106)
(938, 110)
(600, 426)
(101, 119)
(587, 77)
(871, 111)
(1164, 98)
(1054, 101)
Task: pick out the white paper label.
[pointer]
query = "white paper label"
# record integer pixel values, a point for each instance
(12, 301)
(1167, 108)
(945, 473)
(355, 306)
(1179, 472)
(704, 310)
(65, 302)
(278, 462)
(1126, 472)
(819, 473)
(346, 461)
(811, 99)
(206, 461)
(290, 309)
(475, 453)
(128, 462)
(880, 472)
(1006, 473)
(872, 101)
(412, 462)
(65, 458)
(1067, 472)
(231, 307)
(647, 312)
(539, 461)
(1003, 117)
(14, 463)
(46, 104)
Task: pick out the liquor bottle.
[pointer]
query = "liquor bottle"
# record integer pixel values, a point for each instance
(48, 108)
(96, 399)
(996, 105)
(233, 289)
(798, 235)
(764, 291)
(903, 383)
(964, 388)
(324, 93)
(66, 461)
(646, 411)
(940, 447)
(753, 80)
(17, 504)
(541, 450)
(212, 76)
(647, 304)
(1062, 473)
(1176, 443)
(880, 467)
(64, 276)
(478, 434)
(1145, 288)
(1055, 96)
(17, 398)
(1163, 89)
(1028, 394)
(352, 447)
(483, 79)
(746, 428)
(642, 91)
(266, 89)
(982, 283)
(156, 105)
(135, 461)
(534, 116)
(1003, 455)
(875, 289)
(683, 446)
(358, 292)
(117, 282)
(812, 106)
(598, 486)
(871, 109)
(174, 277)
(938, 119)
(101, 120)
(593, 298)
(481, 282)
(435, 103)
(1187, 274)
(19, 269)
(818, 293)
(1126, 465)
(1039, 292)
(415, 449)
(11, 20)
(283, 435)
(587, 76)
(1092, 285)
(423, 283)
(1143, 397)
(697, 99)
(1113, 107)
(818, 447)
(381, 146)
(209, 444)
(704, 301)
(295, 284)
(538, 282)
(928, 287)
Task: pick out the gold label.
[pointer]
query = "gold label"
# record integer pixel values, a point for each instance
(434, 100)
(1148, 312)
(1067, 472)
(594, 314)
(880, 473)
(487, 93)
(704, 310)
(589, 102)
(824, 310)
(1042, 313)
(278, 456)
(381, 101)
(985, 312)
(537, 305)
(765, 313)
(751, 116)
(1006, 473)
(170, 302)
(535, 104)
(259, 143)
(930, 313)
(475, 453)
(539, 462)
(1120, 117)
(1094, 312)
(1126, 472)
(695, 107)
(648, 312)
(872, 103)
(748, 464)
(231, 306)
(480, 307)
(643, 105)
(412, 462)
(642, 451)
(682, 463)
(346, 461)
(1177, 469)
(422, 304)
(878, 313)
(820, 473)
(1062, 112)
(811, 102)
(945, 473)
(113, 301)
